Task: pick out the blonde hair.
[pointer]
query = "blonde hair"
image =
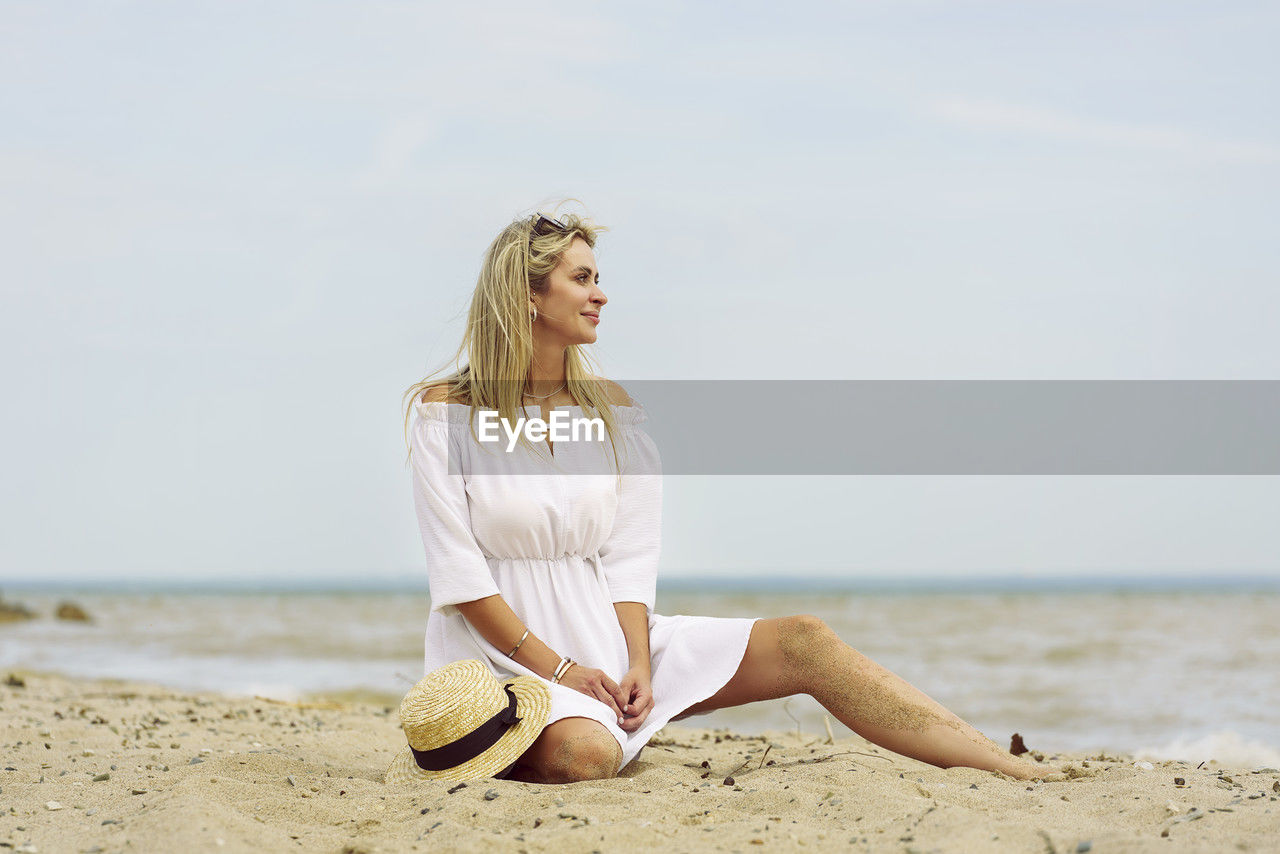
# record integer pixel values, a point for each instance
(498, 341)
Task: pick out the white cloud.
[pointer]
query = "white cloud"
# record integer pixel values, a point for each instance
(394, 150)
(1020, 118)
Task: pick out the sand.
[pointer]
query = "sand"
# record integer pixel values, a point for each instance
(120, 766)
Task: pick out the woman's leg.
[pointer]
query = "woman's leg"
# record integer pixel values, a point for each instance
(802, 655)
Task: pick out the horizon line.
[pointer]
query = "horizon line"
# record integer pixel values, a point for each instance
(1064, 582)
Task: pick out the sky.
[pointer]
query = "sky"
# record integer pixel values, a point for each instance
(235, 233)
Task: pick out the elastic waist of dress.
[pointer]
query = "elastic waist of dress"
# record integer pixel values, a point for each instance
(527, 560)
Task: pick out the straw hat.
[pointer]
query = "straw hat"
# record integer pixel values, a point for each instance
(463, 724)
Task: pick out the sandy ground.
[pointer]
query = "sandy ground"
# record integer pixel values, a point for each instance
(115, 766)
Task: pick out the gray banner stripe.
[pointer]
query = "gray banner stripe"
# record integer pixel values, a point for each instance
(994, 427)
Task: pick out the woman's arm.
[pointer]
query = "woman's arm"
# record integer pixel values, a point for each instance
(493, 618)
(499, 625)
(634, 619)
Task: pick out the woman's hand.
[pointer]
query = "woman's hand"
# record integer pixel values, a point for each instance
(639, 697)
(596, 683)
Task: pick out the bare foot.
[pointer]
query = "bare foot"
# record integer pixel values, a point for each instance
(1024, 769)
(1055, 772)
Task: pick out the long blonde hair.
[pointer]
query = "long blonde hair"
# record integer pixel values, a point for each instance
(498, 341)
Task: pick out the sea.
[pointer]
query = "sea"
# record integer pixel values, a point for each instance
(1190, 672)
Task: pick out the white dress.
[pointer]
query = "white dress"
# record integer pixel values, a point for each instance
(561, 541)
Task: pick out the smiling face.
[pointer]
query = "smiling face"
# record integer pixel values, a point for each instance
(572, 293)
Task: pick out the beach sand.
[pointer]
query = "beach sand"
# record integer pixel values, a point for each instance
(119, 766)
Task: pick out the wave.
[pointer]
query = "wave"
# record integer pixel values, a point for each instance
(1226, 747)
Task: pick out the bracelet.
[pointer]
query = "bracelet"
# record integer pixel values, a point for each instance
(512, 654)
(561, 669)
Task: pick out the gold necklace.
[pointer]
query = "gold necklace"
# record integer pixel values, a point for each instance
(545, 396)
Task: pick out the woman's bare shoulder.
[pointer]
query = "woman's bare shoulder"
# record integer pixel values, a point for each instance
(617, 394)
(439, 393)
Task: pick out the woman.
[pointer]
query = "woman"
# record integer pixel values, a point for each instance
(542, 564)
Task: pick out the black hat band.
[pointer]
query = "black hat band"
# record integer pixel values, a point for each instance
(473, 743)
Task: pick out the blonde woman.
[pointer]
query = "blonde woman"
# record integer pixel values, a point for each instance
(542, 560)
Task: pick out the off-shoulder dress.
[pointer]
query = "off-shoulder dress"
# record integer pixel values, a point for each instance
(561, 540)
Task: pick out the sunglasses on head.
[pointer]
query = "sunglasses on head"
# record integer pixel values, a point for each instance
(546, 225)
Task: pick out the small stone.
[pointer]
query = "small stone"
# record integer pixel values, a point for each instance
(491, 795)
(458, 787)
(1083, 846)
(87, 753)
(973, 785)
(728, 781)
(52, 805)
(1179, 781)
(289, 779)
(195, 760)
(93, 811)
(138, 791)
(1143, 766)
(98, 778)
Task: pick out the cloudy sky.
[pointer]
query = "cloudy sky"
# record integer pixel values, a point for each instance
(234, 233)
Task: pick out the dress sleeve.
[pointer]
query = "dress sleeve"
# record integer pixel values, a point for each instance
(456, 568)
(630, 553)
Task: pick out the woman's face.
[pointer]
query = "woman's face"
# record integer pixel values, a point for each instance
(572, 295)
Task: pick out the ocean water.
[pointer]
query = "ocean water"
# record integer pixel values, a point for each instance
(1191, 675)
